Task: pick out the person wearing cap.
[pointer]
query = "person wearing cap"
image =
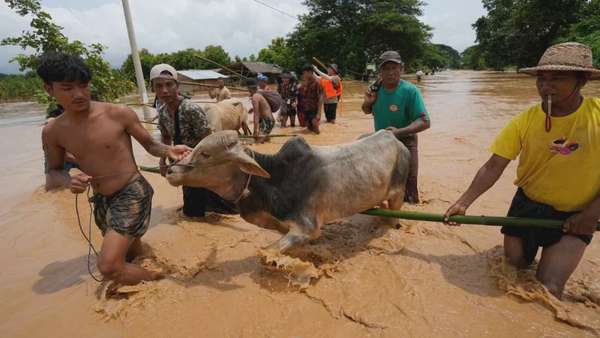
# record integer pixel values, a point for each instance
(181, 121)
(262, 81)
(397, 105)
(310, 100)
(288, 89)
(264, 104)
(332, 90)
(558, 145)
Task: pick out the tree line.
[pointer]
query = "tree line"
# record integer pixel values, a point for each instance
(350, 33)
(515, 33)
(46, 36)
(353, 33)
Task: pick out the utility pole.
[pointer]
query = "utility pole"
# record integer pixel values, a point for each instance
(137, 65)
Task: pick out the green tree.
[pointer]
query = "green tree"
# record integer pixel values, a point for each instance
(184, 59)
(187, 59)
(437, 56)
(451, 56)
(587, 30)
(278, 53)
(147, 60)
(19, 87)
(216, 54)
(352, 33)
(517, 32)
(431, 58)
(472, 58)
(46, 36)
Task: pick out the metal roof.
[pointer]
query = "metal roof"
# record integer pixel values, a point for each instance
(256, 67)
(202, 74)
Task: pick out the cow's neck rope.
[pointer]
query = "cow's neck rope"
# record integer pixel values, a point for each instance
(242, 193)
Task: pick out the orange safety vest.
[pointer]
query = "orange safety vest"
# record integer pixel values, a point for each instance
(327, 85)
(339, 89)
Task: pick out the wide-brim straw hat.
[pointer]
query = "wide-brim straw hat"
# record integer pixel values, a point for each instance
(566, 57)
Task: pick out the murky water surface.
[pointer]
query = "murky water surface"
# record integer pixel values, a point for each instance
(422, 280)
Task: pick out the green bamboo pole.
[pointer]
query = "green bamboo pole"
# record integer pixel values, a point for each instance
(481, 220)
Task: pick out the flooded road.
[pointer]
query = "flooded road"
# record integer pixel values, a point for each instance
(420, 281)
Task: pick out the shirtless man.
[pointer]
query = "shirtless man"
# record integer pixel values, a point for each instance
(263, 115)
(99, 135)
(221, 92)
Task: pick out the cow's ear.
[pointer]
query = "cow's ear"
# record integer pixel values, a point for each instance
(248, 165)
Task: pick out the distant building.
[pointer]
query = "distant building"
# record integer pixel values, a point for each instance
(202, 76)
(251, 69)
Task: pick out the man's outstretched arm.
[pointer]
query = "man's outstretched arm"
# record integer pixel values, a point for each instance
(152, 146)
(486, 177)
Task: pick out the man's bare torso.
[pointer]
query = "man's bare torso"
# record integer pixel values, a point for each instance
(101, 145)
(263, 107)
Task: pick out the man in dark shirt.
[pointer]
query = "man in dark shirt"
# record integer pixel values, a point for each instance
(288, 89)
(183, 122)
(309, 100)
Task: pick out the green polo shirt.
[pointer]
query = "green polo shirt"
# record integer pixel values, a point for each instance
(400, 107)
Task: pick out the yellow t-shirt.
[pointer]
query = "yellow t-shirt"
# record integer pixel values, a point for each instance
(560, 168)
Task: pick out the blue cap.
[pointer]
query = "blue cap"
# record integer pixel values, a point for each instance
(261, 77)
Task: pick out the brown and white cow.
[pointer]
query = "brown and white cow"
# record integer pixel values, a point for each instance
(301, 187)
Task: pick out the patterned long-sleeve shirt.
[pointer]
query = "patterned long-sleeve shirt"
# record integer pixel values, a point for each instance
(289, 92)
(309, 96)
(193, 123)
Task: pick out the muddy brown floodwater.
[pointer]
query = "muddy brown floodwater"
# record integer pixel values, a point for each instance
(423, 280)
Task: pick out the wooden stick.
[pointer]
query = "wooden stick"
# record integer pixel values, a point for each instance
(211, 85)
(220, 65)
(319, 62)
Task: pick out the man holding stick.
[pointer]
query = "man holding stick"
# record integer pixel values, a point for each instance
(558, 144)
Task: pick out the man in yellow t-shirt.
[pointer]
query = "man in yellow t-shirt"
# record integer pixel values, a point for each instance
(558, 176)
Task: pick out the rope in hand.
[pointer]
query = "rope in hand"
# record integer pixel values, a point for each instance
(89, 237)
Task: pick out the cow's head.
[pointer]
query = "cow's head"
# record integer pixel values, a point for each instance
(218, 163)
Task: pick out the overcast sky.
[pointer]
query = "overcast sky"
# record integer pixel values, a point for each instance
(242, 27)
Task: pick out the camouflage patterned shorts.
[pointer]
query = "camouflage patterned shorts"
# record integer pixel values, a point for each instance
(266, 125)
(127, 211)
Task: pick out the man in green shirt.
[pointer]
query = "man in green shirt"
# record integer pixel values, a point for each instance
(397, 106)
